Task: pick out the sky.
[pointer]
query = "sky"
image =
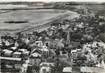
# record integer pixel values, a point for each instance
(54, 0)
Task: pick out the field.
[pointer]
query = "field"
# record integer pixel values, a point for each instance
(20, 20)
(23, 18)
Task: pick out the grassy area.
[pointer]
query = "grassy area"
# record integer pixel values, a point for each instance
(33, 17)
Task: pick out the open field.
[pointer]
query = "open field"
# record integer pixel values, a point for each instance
(31, 16)
(20, 20)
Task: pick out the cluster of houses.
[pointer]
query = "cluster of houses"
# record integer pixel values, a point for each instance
(65, 44)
